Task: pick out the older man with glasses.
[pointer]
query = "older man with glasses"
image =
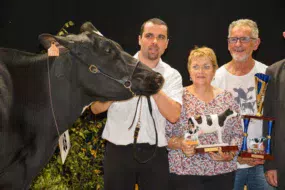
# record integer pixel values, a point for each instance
(237, 76)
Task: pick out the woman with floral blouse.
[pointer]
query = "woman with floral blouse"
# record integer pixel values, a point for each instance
(203, 171)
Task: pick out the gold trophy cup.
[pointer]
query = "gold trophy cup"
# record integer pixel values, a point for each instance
(262, 152)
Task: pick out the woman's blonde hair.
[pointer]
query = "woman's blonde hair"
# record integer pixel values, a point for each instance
(203, 52)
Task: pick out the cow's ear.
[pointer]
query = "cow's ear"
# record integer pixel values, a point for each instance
(65, 42)
(89, 27)
(47, 39)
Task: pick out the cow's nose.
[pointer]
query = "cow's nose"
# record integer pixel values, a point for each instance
(159, 79)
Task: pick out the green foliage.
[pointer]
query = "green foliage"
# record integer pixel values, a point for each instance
(83, 166)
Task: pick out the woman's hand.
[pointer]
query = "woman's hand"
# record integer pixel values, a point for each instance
(222, 156)
(188, 148)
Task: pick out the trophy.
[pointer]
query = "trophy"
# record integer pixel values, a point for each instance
(209, 124)
(258, 148)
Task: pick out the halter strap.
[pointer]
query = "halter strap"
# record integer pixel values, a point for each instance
(127, 83)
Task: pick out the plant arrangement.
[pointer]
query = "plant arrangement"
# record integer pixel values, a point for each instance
(83, 168)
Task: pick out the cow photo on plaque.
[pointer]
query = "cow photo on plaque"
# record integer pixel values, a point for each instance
(203, 124)
(259, 148)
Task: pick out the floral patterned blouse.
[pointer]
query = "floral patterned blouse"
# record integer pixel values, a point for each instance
(202, 163)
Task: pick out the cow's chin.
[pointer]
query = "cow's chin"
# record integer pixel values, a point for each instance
(149, 85)
(106, 98)
(147, 93)
(126, 96)
(150, 89)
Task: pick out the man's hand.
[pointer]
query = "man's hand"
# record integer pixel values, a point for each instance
(250, 161)
(100, 107)
(271, 177)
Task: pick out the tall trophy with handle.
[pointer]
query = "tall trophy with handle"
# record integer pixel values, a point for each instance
(258, 148)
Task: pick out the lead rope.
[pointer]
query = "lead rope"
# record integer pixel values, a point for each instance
(136, 133)
(50, 98)
(135, 113)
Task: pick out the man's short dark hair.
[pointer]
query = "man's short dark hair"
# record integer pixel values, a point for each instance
(156, 21)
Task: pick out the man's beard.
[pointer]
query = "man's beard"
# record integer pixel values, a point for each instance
(239, 58)
(155, 55)
(152, 56)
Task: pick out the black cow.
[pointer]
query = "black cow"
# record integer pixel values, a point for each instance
(40, 94)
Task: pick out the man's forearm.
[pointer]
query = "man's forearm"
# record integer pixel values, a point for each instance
(169, 108)
(100, 107)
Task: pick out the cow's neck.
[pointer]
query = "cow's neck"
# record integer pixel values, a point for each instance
(67, 98)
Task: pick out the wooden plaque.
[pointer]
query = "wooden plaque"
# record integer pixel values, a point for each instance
(216, 149)
(257, 156)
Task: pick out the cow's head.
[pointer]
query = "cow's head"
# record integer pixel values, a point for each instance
(104, 70)
(193, 132)
(192, 127)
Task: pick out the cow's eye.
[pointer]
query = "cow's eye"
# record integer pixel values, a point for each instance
(108, 50)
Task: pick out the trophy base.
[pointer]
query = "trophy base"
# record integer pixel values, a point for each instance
(215, 148)
(257, 156)
(259, 117)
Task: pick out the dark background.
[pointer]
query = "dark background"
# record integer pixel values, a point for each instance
(190, 23)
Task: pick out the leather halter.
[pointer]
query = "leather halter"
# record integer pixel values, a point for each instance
(126, 82)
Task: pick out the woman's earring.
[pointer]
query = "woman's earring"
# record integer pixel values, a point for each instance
(190, 78)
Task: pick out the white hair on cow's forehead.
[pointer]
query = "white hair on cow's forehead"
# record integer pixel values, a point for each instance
(97, 32)
(77, 37)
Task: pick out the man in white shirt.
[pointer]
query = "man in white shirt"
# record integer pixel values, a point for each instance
(237, 76)
(121, 169)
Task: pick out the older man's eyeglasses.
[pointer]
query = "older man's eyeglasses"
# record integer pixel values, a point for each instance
(233, 40)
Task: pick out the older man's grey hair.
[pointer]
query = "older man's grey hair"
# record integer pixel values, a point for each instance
(245, 23)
